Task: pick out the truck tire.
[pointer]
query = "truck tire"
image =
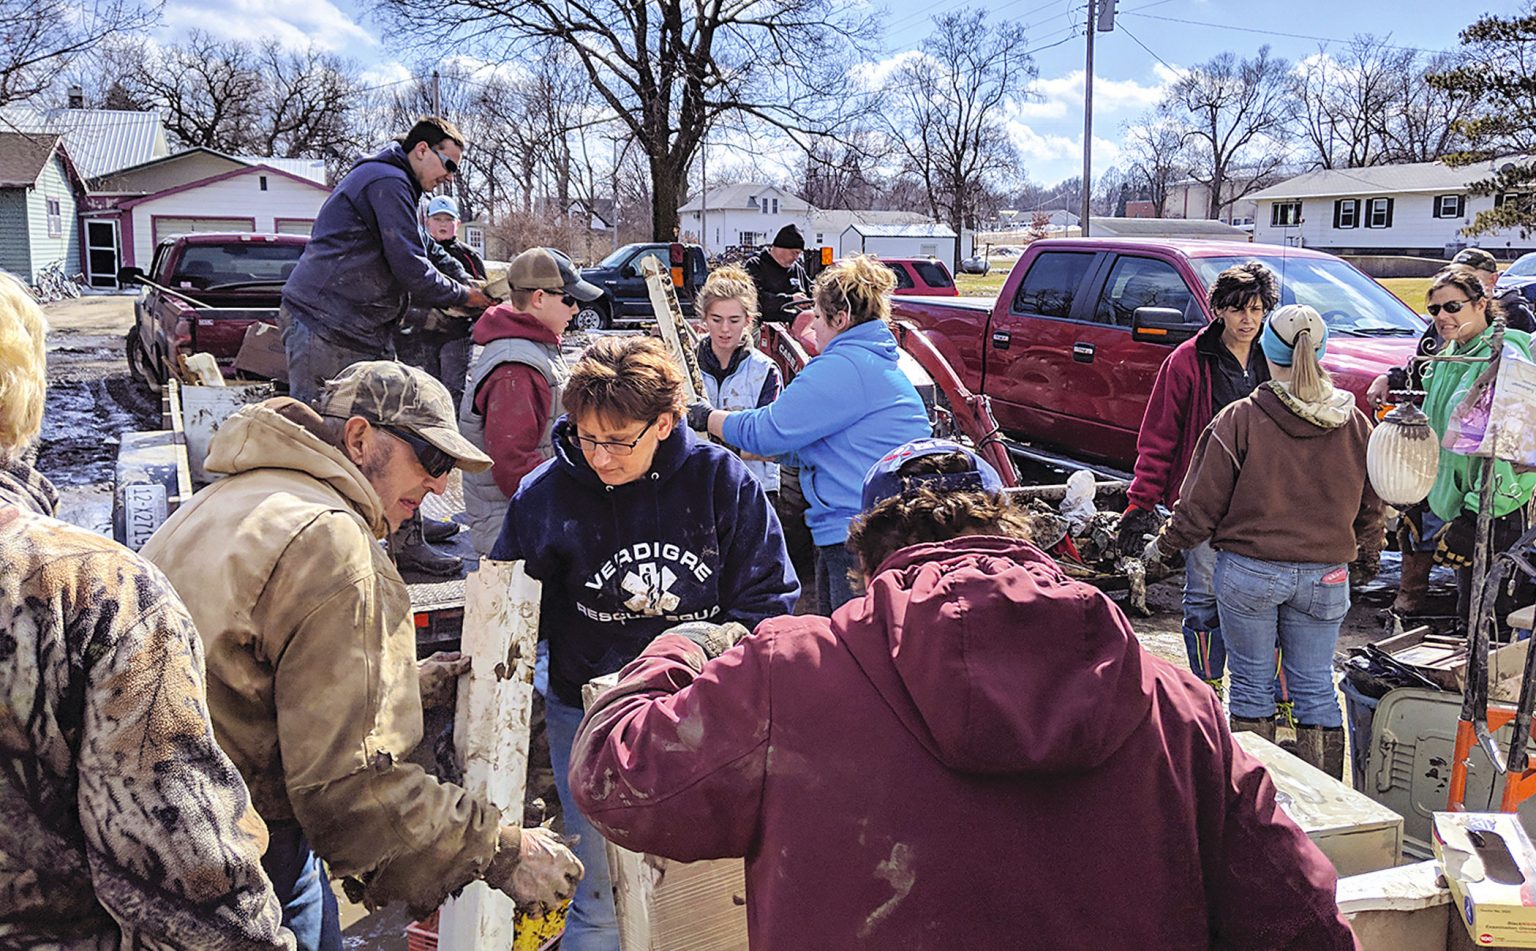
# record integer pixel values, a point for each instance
(141, 365)
(594, 316)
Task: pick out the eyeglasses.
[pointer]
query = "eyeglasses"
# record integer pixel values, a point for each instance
(449, 165)
(587, 444)
(569, 301)
(1450, 307)
(437, 462)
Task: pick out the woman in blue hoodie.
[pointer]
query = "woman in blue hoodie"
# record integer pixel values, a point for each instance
(850, 406)
(635, 525)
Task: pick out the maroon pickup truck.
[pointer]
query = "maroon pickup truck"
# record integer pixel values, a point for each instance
(1068, 352)
(210, 288)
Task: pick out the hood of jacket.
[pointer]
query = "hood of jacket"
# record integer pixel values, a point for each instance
(872, 337)
(395, 157)
(283, 433)
(671, 453)
(503, 322)
(23, 486)
(995, 661)
(1299, 418)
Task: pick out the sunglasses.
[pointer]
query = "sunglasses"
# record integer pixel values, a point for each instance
(437, 462)
(588, 445)
(449, 165)
(569, 301)
(1450, 307)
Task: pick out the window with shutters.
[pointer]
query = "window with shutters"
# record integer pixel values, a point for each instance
(1450, 206)
(1346, 213)
(1378, 213)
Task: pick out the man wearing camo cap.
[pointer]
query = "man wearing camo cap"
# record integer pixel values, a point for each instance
(313, 684)
(1517, 310)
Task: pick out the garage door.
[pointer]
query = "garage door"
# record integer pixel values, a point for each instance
(169, 227)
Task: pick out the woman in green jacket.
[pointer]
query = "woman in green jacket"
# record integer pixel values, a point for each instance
(1463, 315)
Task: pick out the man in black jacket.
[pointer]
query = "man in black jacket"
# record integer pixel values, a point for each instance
(1517, 310)
(779, 276)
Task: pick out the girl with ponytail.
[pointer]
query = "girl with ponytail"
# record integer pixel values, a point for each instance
(1278, 486)
(850, 406)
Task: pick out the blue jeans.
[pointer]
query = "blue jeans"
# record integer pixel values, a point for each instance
(832, 587)
(1297, 606)
(592, 924)
(1202, 624)
(303, 890)
(312, 359)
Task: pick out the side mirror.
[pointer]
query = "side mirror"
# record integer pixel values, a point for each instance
(129, 276)
(1161, 325)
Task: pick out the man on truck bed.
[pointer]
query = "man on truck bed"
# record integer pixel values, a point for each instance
(365, 263)
(125, 825)
(313, 682)
(780, 277)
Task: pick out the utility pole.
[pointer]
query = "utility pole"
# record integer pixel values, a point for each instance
(615, 218)
(437, 91)
(704, 197)
(1101, 18)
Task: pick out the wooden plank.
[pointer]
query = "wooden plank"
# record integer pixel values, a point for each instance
(664, 905)
(676, 332)
(490, 732)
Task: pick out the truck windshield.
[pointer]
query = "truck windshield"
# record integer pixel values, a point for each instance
(1348, 301)
(211, 265)
(617, 257)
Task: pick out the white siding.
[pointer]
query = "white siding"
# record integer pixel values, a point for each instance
(64, 245)
(237, 197)
(726, 225)
(1414, 225)
(942, 248)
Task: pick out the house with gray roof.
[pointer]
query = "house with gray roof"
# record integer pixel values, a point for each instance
(1413, 209)
(40, 189)
(99, 140)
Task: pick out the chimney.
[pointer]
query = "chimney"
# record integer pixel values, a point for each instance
(76, 97)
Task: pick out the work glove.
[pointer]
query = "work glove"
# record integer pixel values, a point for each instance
(1455, 542)
(535, 868)
(1152, 554)
(1135, 525)
(1365, 567)
(439, 678)
(716, 639)
(698, 415)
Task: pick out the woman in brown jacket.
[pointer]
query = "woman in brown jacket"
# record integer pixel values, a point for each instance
(1278, 486)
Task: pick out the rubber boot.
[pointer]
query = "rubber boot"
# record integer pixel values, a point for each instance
(1414, 584)
(436, 531)
(1323, 747)
(412, 553)
(1264, 727)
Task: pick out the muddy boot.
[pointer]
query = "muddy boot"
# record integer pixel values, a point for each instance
(1264, 727)
(1323, 747)
(1414, 584)
(436, 531)
(413, 555)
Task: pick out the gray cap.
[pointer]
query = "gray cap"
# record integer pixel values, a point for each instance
(389, 393)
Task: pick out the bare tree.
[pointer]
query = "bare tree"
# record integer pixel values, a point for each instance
(209, 92)
(39, 39)
(842, 172)
(948, 107)
(308, 105)
(1234, 115)
(668, 70)
(1344, 103)
(1155, 149)
(1421, 125)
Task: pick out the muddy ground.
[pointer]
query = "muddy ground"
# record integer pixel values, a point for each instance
(92, 399)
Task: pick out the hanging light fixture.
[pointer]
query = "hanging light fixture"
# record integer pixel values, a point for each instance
(1403, 456)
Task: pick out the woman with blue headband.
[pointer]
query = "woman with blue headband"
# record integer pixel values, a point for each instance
(1278, 486)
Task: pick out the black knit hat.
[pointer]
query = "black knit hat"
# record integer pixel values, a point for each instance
(789, 237)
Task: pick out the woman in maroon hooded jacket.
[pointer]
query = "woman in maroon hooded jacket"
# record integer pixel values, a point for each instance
(1220, 365)
(976, 754)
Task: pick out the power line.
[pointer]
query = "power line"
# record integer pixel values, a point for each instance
(1250, 29)
(1144, 46)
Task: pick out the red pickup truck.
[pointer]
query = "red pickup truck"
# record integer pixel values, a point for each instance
(1068, 352)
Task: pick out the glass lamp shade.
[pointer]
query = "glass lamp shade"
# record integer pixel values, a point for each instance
(1403, 456)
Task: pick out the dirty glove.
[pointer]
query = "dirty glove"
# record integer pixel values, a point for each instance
(439, 678)
(1152, 554)
(716, 639)
(1364, 568)
(1135, 525)
(535, 868)
(698, 415)
(1455, 542)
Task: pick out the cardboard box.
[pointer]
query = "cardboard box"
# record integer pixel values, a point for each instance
(1357, 833)
(1490, 867)
(262, 353)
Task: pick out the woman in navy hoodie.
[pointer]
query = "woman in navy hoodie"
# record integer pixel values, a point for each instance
(842, 413)
(634, 526)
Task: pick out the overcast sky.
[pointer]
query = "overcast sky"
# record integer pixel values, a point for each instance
(1152, 39)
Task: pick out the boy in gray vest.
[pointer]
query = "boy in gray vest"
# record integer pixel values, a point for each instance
(512, 398)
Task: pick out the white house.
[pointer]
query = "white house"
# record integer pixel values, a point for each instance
(899, 241)
(1415, 209)
(746, 216)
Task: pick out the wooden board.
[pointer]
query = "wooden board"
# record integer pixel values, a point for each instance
(490, 732)
(676, 332)
(664, 905)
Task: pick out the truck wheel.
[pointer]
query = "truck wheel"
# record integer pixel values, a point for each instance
(593, 316)
(140, 363)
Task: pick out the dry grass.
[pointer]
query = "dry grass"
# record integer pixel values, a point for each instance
(1409, 290)
(984, 285)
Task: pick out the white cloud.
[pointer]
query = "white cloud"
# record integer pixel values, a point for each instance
(1050, 157)
(295, 24)
(876, 75)
(1057, 97)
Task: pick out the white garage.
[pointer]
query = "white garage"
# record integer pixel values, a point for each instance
(900, 241)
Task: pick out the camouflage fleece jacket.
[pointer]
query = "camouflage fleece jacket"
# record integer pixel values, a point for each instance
(122, 824)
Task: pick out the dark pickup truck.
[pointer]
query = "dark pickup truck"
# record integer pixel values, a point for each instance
(1068, 352)
(625, 297)
(209, 288)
